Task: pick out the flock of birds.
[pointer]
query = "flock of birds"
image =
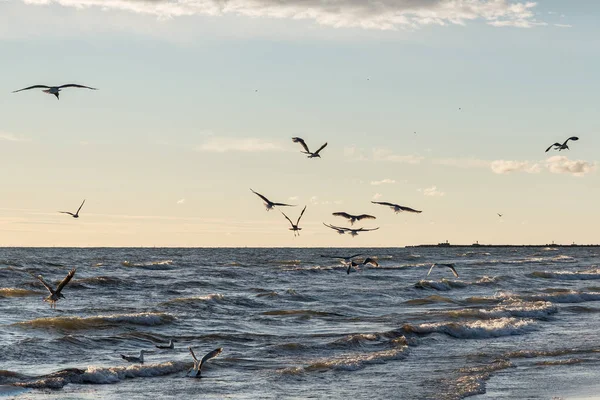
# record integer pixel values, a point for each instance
(348, 261)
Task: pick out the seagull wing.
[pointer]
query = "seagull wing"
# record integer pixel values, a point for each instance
(283, 205)
(364, 216)
(410, 210)
(262, 197)
(39, 278)
(337, 228)
(33, 87)
(384, 203)
(76, 86)
(286, 217)
(342, 214)
(451, 266)
(342, 257)
(80, 207)
(64, 282)
(431, 269)
(302, 142)
(66, 212)
(365, 230)
(193, 355)
(349, 267)
(321, 148)
(571, 138)
(555, 144)
(371, 261)
(210, 355)
(301, 214)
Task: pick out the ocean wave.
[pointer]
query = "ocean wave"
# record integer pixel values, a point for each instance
(98, 281)
(161, 264)
(589, 274)
(567, 296)
(304, 313)
(474, 380)
(508, 308)
(195, 299)
(99, 321)
(449, 284)
(15, 292)
(497, 327)
(431, 300)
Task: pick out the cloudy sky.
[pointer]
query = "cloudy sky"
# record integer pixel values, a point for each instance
(445, 106)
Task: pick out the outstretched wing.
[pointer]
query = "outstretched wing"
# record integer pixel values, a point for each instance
(302, 142)
(33, 87)
(80, 207)
(364, 216)
(321, 148)
(451, 266)
(365, 230)
(76, 86)
(286, 217)
(431, 269)
(283, 205)
(64, 282)
(66, 212)
(384, 203)
(337, 228)
(371, 261)
(342, 214)
(261, 196)
(555, 144)
(192, 353)
(39, 278)
(571, 138)
(301, 214)
(410, 210)
(349, 267)
(210, 355)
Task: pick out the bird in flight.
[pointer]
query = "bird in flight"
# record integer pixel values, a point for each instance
(500, 215)
(269, 204)
(367, 260)
(295, 227)
(55, 295)
(55, 90)
(353, 232)
(76, 215)
(338, 229)
(451, 266)
(397, 208)
(171, 345)
(353, 218)
(134, 359)
(306, 150)
(564, 146)
(198, 364)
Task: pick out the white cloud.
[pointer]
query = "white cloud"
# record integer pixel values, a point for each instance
(377, 196)
(432, 192)
(380, 154)
(563, 25)
(180, 201)
(508, 166)
(562, 165)
(227, 144)
(383, 182)
(9, 137)
(463, 162)
(367, 14)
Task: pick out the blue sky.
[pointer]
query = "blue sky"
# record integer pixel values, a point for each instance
(167, 149)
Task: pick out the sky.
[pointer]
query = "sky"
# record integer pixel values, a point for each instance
(443, 106)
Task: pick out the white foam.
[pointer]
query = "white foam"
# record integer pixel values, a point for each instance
(497, 327)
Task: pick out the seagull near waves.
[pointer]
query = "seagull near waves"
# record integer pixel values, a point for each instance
(295, 227)
(198, 364)
(564, 146)
(270, 204)
(306, 150)
(55, 295)
(353, 218)
(133, 359)
(55, 90)
(168, 346)
(451, 266)
(353, 232)
(397, 208)
(351, 263)
(76, 215)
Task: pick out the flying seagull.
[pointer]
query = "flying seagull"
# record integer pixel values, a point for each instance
(269, 204)
(295, 227)
(353, 218)
(55, 295)
(353, 232)
(451, 266)
(338, 229)
(306, 150)
(198, 364)
(76, 215)
(397, 208)
(500, 215)
(133, 359)
(368, 260)
(55, 90)
(168, 346)
(564, 146)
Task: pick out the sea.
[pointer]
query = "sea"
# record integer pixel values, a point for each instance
(518, 323)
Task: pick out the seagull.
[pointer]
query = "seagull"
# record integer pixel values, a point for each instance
(134, 359)
(55, 295)
(353, 232)
(500, 215)
(368, 260)
(339, 230)
(198, 364)
(353, 218)
(397, 208)
(451, 266)
(269, 204)
(55, 90)
(76, 215)
(295, 227)
(306, 150)
(168, 346)
(560, 147)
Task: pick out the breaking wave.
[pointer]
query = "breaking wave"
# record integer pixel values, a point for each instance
(100, 321)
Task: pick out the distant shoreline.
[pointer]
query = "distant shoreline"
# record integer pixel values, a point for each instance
(477, 245)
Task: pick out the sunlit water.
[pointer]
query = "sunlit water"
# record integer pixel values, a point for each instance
(518, 323)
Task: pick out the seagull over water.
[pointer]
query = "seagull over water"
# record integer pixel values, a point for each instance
(198, 364)
(306, 150)
(55, 90)
(564, 146)
(353, 218)
(353, 232)
(168, 346)
(55, 295)
(270, 204)
(341, 231)
(397, 208)
(367, 260)
(133, 359)
(451, 266)
(295, 227)
(76, 215)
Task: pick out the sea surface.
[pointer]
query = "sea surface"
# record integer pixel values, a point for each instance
(519, 323)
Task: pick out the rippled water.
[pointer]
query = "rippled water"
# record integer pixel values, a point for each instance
(295, 325)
